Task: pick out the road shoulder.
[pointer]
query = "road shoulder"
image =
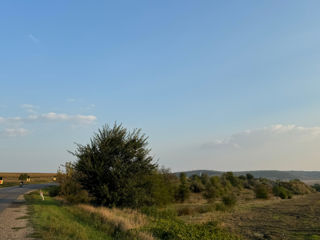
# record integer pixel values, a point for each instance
(14, 221)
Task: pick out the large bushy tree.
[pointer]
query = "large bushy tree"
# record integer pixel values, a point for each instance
(115, 167)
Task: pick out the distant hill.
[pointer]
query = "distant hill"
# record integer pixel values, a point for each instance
(270, 174)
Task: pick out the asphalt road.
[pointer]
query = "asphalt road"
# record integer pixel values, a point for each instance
(9, 194)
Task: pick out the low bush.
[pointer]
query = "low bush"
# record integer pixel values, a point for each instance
(70, 188)
(54, 191)
(261, 191)
(316, 187)
(229, 200)
(281, 192)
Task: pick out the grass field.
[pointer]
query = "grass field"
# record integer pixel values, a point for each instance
(11, 179)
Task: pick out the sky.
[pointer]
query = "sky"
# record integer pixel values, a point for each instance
(223, 85)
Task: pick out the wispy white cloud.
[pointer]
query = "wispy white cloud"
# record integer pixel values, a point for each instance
(33, 38)
(51, 117)
(29, 108)
(14, 132)
(82, 119)
(274, 147)
(71, 100)
(264, 135)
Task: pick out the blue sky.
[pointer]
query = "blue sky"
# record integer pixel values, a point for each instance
(205, 80)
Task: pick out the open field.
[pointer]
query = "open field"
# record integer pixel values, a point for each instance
(292, 219)
(11, 179)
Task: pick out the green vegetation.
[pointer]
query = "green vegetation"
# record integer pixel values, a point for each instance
(23, 176)
(54, 219)
(135, 199)
(316, 187)
(117, 170)
(183, 191)
(261, 191)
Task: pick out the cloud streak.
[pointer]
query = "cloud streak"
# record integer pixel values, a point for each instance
(33, 38)
(265, 135)
(29, 108)
(50, 117)
(14, 132)
(281, 147)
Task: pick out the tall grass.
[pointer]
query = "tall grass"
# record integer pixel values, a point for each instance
(124, 220)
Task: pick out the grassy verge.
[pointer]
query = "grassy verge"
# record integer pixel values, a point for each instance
(52, 219)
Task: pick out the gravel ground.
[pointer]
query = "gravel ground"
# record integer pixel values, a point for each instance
(14, 222)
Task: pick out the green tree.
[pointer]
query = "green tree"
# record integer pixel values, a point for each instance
(23, 176)
(249, 176)
(196, 185)
(115, 167)
(183, 190)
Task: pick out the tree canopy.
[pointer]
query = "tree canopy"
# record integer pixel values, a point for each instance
(115, 166)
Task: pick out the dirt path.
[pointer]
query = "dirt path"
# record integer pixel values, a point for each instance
(292, 219)
(14, 223)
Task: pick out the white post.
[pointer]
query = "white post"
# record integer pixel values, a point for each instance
(41, 194)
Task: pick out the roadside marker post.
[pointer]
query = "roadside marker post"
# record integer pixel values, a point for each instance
(41, 195)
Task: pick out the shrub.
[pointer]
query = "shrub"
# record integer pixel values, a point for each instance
(115, 167)
(229, 200)
(261, 191)
(54, 191)
(242, 177)
(70, 188)
(281, 192)
(161, 187)
(183, 191)
(214, 188)
(23, 177)
(249, 176)
(196, 185)
(211, 192)
(316, 187)
(232, 179)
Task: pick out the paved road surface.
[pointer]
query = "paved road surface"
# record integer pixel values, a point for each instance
(9, 194)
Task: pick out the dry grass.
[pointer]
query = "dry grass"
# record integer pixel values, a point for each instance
(123, 219)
